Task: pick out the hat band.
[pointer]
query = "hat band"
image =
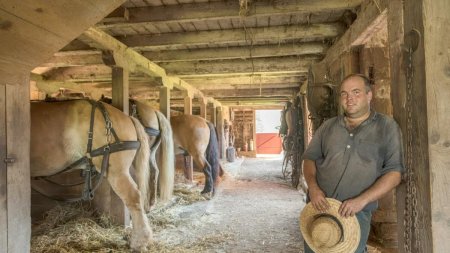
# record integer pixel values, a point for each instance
(341, 239)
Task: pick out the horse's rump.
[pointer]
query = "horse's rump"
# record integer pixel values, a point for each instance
(59, 136)
(196, 136)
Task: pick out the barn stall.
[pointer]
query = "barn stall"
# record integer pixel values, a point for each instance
(232, 57)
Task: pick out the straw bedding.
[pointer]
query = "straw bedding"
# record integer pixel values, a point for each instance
(76, 228)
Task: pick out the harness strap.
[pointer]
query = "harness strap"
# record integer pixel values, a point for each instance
(134, 113)
(151, 131)
(89, 173)
(116, 147)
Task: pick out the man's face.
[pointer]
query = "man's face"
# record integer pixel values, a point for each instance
(354, 99)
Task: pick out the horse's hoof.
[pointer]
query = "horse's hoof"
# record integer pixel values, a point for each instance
(205, 191)
(140, 242)
(207, 195)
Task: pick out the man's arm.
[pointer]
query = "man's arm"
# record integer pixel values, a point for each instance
(383, 185)
(316, 195)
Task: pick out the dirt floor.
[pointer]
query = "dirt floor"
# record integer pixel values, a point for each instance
(254, 210)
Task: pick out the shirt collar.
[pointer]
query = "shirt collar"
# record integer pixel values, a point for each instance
(373, 116)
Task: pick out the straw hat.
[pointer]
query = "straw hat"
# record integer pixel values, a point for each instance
(329, 232)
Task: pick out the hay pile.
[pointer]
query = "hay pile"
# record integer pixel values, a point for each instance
(74, 228)
(186, 194)
(161, 216)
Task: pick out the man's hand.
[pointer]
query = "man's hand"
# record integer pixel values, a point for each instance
(351, 206)
(318, 200)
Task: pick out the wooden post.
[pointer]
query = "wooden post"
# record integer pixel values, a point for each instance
(398, 94)
(220, 132)
(15, 202)
(3, 174)
(188, 105)
(188, 161)
(202, 102)
(427, 152)
(164, 101)
(213, 114)
(106, 200)
(120, 89)
(426, 149)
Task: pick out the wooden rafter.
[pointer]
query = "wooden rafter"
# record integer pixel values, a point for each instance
(214, 11)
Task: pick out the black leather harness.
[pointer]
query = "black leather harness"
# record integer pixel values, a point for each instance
(89, 172)
(133, 112)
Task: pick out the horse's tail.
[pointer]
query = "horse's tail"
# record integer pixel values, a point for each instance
(140, 161)
(212, 152)
(166, 158)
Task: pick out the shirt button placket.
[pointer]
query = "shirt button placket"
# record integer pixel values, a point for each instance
(351, 140)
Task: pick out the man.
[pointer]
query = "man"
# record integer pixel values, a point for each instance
(355, 158)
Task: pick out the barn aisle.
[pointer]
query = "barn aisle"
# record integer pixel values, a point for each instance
(254, 210)
(260, 208)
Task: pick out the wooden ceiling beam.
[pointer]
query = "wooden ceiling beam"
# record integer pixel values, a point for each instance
(233, 86)
(74, 58)
(125, 56)
(315, 48)
(259, 65)
(274, 34)
(369, 14)
(94, 57)
(252, 101)
(225, 93)
(195, 12)
(232, 82)
(244, 92)
(301, 73)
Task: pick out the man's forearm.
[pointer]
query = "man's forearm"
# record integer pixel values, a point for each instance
(309, 172)
(383, 185)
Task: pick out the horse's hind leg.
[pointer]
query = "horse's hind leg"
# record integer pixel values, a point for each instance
(154, 173)
(124, 186)
(201, 162)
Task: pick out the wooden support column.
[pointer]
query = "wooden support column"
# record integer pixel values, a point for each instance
(220, 132)
(120, 89)
(15, 217)
(188, 161)
(398, 98)
(188, 105)
(426, 136)
(164, 101)
(202, 102)
(213, 114)
(106, 200)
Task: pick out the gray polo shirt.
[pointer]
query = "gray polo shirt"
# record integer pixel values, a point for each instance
(350, 161)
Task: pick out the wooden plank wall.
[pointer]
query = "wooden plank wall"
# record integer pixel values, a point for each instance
(15, 195)
(436, 46)
(398, 95)
(3, 183)
(430, 116)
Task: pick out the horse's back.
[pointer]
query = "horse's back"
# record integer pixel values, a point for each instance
(56, 135)
(191, 132)
(147, 115)
(59, 133)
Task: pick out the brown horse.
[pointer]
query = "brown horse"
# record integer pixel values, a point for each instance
(97, 134)
(196, 136)
(157, 127)
(160, 134)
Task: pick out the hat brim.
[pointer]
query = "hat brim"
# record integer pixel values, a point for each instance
(350, 227)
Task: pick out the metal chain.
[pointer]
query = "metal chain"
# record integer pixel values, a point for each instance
(108, 131)
(411, 221)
